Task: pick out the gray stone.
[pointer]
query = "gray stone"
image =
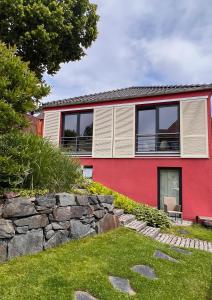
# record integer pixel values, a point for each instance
(78, 229)
(33, 222)
(65, 199)
(78, 211)
(31, 242)
(83, 296)
(6, 229)
(162, 255)
(47, 200)
(22, 229)
(56, 226)
(49, 234)
(18, 207)
(97, 207)
(99, 214)
(58, 238)
(64, 225)
(106, 199)
(82, 200)
(3, 251)
(87, 220)
(145, 271)
(122, 285)
(182, 251)
(1, 210)
(93, 199)
(109, 207)
(43, 210)
(62, 213)
(107, 223)
(48, 227)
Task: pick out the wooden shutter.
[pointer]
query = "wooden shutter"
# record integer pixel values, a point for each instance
(194, 128)
(124, 131)
(52, 126)
(103, 132)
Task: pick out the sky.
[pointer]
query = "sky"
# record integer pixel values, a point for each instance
(141, 43)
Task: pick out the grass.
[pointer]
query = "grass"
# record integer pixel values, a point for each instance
(195, 231)
(86, 264)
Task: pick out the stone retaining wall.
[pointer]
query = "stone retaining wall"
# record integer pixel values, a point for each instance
(30, 225)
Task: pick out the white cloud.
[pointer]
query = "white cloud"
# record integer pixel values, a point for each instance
(142, 42)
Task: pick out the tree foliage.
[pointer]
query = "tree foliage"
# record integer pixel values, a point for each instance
(20, 90)
(48, 32)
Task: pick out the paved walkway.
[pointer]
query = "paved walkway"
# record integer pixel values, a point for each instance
(129, 221)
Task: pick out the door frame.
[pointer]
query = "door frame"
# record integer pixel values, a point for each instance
(180, 183)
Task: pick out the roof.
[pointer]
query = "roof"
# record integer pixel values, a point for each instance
(130, 92)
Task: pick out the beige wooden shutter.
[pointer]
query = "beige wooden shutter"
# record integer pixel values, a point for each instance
(194, 128)
(103, 132)
(52, 126)
(124, 131)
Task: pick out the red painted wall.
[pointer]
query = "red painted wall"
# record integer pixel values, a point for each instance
(137, 178)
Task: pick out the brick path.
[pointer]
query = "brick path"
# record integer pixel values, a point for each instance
(141, 227)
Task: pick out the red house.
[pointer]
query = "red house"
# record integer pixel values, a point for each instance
(148, 143)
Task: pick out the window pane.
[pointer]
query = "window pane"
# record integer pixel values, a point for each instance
(70, 125)
(168, 119)
(86, 124)
(146, 130)
(88, 172)
(146, 121)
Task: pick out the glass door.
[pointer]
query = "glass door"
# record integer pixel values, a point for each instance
(169, 186)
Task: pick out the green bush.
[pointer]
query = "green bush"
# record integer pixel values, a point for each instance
(31, 162)
(152, 216)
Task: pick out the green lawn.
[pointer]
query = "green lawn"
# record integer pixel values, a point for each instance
(86, 264)
(195, 231)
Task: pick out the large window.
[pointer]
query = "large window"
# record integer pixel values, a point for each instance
(158, 129)
(77, 132)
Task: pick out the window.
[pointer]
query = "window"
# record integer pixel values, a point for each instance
(158, 129)
(87, 172)
(77, 132)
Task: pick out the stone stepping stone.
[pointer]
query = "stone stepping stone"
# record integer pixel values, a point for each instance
(83, 296)
(182, 251)
(122, 285)
(145, 271)
(162, 255)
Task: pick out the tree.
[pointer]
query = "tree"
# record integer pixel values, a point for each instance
(20, 90)
(48, 32)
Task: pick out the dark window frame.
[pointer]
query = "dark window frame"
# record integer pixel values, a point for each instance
(156, 107)
(78, 113)
(180, 184)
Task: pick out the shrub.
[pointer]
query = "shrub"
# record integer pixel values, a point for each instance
(152, 216)
(31, 162)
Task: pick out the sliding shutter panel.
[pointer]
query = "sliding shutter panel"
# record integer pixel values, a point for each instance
(52, 126)
(194, 129)
(124, 131)
(103, 132)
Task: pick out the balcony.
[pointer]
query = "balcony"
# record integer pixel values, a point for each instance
(167, 143)
(79, 145)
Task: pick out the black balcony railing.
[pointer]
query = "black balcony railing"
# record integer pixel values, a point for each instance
(77, 145)
(161, 142)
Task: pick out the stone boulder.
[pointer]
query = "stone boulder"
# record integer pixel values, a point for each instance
(6, 229)
(58, 238)
(82, 200)
(31, 242)
(78, 211)
(18, 207)
(3, 251)
(106, 199)
(108, 222)
(33, 222)
(65, 199)
(62, 213)
(48, 200)
(79, 230)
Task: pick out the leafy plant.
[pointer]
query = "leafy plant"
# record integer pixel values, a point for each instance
(20, 90)
(152, 216)
(28, 161)
(47, 33)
